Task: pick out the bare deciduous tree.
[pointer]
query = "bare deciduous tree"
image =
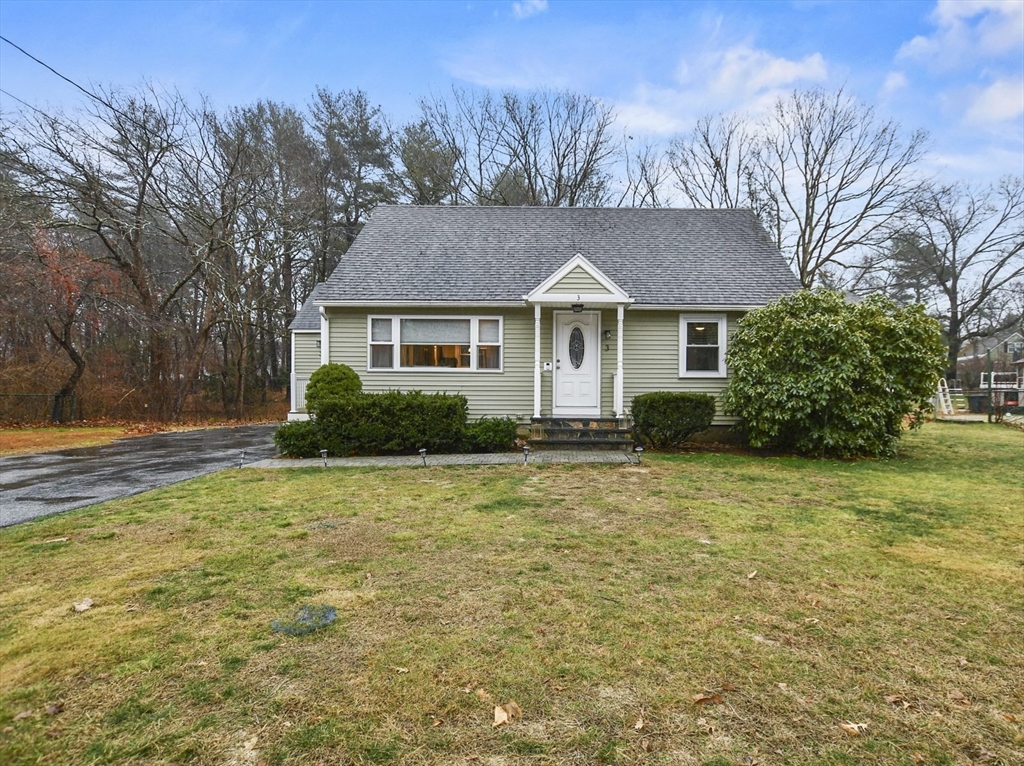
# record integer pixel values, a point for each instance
(840, 175)
(542, 148)
(823, 173)
(960, 250)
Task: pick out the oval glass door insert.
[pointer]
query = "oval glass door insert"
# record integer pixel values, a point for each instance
(576, 347)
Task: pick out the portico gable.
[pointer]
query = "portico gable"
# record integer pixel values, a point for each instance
(582, 287)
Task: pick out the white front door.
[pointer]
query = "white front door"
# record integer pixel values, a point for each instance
(577, 378)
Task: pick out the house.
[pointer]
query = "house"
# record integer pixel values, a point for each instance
(1002, 350)
(537, 313)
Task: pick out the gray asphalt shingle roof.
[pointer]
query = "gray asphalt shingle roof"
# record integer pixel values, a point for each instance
(308, 317)
(467, 254)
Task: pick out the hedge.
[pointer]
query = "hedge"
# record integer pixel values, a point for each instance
(666, 419)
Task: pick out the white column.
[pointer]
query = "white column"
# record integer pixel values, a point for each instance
(619, 311)
(536, 360)
(325, 337)
(291, 387)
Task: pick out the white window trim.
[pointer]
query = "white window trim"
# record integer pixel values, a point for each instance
(396, 343)
(722, 322)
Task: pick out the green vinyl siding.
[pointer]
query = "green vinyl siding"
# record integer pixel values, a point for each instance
(578, 281)
(489, 393)
(307, 352)
(651, 358)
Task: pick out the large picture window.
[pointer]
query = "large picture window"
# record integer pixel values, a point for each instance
(702, 346)
(439, 343)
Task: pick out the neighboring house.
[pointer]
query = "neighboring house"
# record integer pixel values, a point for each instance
(536, 312)
(1006, 349)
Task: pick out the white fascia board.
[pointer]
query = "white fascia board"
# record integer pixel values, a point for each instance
(692, 307)
(615, 293)
(310, 332)
(567, 299)
(413, 304)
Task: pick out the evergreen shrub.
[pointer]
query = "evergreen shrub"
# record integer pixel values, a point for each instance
(299, 438)
(666, 419)
(331, 382)
(491, 435)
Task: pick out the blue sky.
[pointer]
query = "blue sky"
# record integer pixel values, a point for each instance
(954, 68)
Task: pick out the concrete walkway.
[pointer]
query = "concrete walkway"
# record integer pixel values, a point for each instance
(412, 461)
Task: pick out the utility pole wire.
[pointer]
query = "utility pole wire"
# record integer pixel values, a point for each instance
(86, 91)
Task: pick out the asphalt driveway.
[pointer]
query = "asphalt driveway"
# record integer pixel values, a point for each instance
(53, 482)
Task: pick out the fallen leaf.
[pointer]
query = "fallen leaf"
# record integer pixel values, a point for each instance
(483, 696)
(506, 714)
(467, 690)
(704, 542)
(645, 745)
(728, 687)
(84, 604)
(400, 670)
(853, 729)
(57, 540)
(919, 757)
(1008, 717)
(956, 694)
(639, 724)
(749, 760)
(707, 699)
(55, 708)
(784, 687)
(437, 722)
(752, 575)
(897, 700)
(23, 715)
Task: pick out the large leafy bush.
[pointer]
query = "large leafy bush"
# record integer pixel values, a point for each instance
(815, 374)
(667, 419)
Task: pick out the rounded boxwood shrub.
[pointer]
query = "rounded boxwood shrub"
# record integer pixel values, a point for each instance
(331, 381)
(667, 419)
(815, 374)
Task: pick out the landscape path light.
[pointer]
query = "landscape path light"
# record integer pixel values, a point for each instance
(423, 454)
(526, 454)
(323, 455)
(639, 450)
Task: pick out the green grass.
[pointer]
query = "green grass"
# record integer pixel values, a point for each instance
(596, 597)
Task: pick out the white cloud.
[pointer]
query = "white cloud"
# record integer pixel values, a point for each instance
(738, 78)
(1000, 101)
(747, 71)
(894, 82)
(968, 31)
(523, 9)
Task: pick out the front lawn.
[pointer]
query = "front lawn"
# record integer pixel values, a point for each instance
(698, 609)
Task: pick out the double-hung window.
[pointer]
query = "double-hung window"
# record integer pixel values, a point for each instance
(702, 346)
(460, 343)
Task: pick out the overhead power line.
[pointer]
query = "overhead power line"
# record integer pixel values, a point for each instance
(66, 79)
